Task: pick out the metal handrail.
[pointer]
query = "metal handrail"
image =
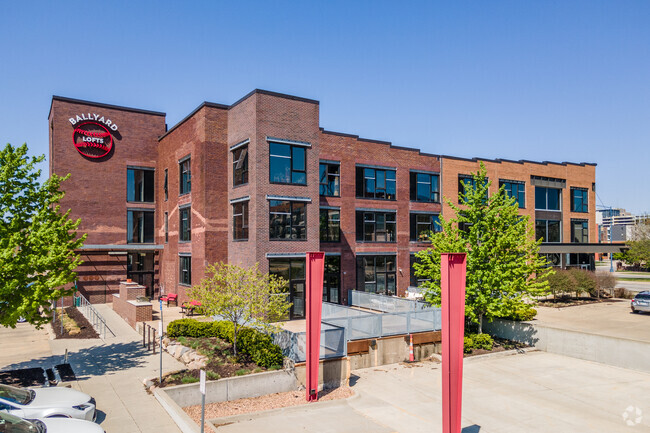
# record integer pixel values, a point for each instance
(93, 316)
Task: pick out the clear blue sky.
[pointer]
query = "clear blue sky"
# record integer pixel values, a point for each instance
(551, 80)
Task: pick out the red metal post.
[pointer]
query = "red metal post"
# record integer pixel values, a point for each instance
(314, 303)
(452, 286)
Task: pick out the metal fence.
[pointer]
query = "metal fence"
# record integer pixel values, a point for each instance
(333, 343)
(93, 316)
(386, 304)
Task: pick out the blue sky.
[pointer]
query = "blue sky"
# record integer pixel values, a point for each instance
(551, 80)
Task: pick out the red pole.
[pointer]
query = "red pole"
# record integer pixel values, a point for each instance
(452, 286)
(314, 303)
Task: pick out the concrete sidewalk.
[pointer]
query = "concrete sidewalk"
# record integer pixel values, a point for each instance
(535, 392)
(23, 343)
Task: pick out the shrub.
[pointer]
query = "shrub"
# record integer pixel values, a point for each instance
(468, 345)
(623, 293)
(585, 281)
(477, 341)
(189, 328)
(523, 313)
(561, 282)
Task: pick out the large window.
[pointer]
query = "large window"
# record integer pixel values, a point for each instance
(376, 226)
(332, 279)
(330, 176)
(240, 165)
(423, 223)
(288, 164)
(185, 270)
(376, 274)
(240, 221)
(139, 226)
(287, 220)
(579, 200)
(376, 183)
(185, 176)
(467, 182)
(548, 230)
(424, 187)
(579, 231)
(184, 215)
(292, 270)
(516, 189)
(330, 225)
(139, 185)
(547, 198)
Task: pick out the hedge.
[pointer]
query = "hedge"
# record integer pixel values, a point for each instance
(256, 344)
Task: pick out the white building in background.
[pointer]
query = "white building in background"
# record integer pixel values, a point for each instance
(618, 225)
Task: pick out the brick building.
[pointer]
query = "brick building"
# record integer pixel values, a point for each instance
(259, 181)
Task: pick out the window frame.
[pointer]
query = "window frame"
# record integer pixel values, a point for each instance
(584, 229)
(584, 192)
(324, 186)
(243, 171)
(434, 224)
(243, 214)
(362, 221)
(361, 266)
(324, 235)
(148, 216)
(363, 180)
(546, 188)
(414, 178)
(292, 163)
(185, 169)
(546, 230)
(166, 184)
(150, 176)
(185, 223)
(289, 217)
(521, 190)
(166, 223)
(185, 270)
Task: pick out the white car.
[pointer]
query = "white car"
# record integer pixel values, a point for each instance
(13, 424)
(46, 403)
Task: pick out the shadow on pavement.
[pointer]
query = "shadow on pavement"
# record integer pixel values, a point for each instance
(471, 429)
(95, 360)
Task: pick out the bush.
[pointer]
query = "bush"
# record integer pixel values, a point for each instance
(477, 341)
(623, 293)
(522, 313)
(257, 345)
(585, 281)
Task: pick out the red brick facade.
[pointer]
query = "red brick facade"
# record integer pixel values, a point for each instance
(96, 191)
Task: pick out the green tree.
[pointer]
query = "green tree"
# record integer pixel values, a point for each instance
(639, 252)
(242, 296)
(504, 269)
(37, 241)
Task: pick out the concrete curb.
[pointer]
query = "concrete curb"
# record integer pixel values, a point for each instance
(182, 420)
(501, 354)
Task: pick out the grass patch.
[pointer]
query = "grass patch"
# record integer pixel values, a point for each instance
(241, 372)
(632, 279)
(189, 379)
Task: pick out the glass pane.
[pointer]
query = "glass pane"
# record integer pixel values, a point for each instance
(381, 179)
(369, 269)
(322, 173)
(299, 177)
(298, 155)
(540, 198)
(280, 170)
(130, 185)
(554, 231)
(148, 185)
(278, 149)
(279, 267)
(390, 174)
(553, 199)
(370, 188)
(390, 263)
(298, 269)
(423, 192)
(298, 300)
(380, 263)
(390, 285)
(390, 189)
(369, 232)
(148, 227)
(381, 283)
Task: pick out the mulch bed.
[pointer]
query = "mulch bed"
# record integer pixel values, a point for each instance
(221, 361)
(87, 331)
(23, 377)
(573, 302)
(500, 345)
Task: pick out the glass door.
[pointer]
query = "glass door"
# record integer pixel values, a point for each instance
(298, 299)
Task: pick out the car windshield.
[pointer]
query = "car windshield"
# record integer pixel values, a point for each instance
(16, 395)
(13, 424)
(644, 296)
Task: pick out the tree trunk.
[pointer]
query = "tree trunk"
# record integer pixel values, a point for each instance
(480, 323)
(234, 338)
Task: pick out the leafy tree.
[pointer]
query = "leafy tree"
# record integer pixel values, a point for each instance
(561, 282)
(504, 268)
(37, 241)
(242, 296)
(639, 251)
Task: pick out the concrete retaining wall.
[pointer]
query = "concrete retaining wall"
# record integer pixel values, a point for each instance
(332, 373)
(618, 352)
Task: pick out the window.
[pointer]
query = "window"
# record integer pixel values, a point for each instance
(332, 279)
(424, 187)
(166, 184)
(465, 182)
(376, 226)
(288, 164)
(516, 189)
(139, 226)
(240, 221)
(185, 176)
(292, 270)
(240, 165)
(579, 200)
(580, 231)
(422, 224)
(330, 179)
(185, 270)
(330, 225)
(184, 215)
(376, 274)
(166, 227)
(415, 281)
(376, 183)
(547, 198)
(548, 231)
(287, 219)
(139, 185)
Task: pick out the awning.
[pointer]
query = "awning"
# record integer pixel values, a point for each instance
(581, 248)
(125, 247)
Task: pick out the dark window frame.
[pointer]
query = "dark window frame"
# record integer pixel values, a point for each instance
(166, 184)
(362, 265)
(546, 198)
(185, 176)
(329, 183)
(415, 281)
(185, 272)
(433, 223)
(185, 224)
(579, 204)
(519, 194)
(545, 237)
(332, 279)
(465, 178)
(294, 166)
(145, 218)
(371, 176)
(366, 218)
(326, 232)
(239, 166)
(166, 223)
(291, 217)
(240, 210)
(146, 190)
(584, 229)
(418, 178)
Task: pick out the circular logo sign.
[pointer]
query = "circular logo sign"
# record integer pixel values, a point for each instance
(92, 139)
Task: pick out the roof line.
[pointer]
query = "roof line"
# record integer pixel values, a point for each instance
(186, 118)
(102, 105)
(521, 161)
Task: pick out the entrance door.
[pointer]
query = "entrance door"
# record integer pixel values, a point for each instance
(298, 299)
(140, 268)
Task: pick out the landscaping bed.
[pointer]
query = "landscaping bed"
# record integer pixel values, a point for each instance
(75, 325)
(566, 301)
(220, 362)
(481, 344)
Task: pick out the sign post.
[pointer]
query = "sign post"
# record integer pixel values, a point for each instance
(160, 331)
(452, 288)
(202, 389)
(315, 270)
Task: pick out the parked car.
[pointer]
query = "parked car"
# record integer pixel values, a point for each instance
(46, 403)
(14, 424)
(641, 302)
